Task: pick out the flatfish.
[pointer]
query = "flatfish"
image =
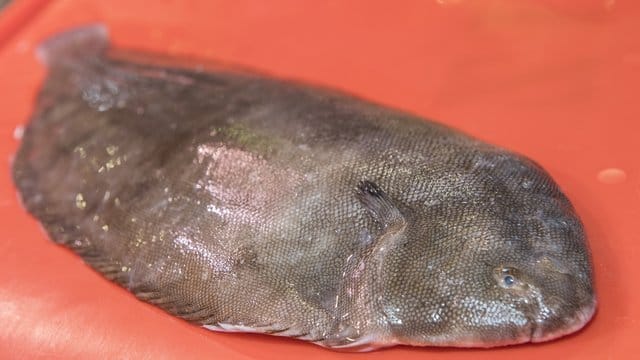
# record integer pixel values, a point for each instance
(240, 202)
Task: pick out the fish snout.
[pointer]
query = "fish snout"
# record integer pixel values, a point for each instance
(551, 326)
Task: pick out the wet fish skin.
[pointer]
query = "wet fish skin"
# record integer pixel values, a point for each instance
(244, 203)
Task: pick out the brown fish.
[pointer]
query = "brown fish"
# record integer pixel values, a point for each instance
(244, 203)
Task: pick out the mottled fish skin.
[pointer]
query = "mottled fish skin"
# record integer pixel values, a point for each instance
(244, 203)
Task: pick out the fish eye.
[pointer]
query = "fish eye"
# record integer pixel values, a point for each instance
(508, 280)
(507, 277)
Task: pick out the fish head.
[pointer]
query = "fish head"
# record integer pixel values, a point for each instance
(507, 263)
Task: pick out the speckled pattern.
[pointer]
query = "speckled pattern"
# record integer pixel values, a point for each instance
(237, 201)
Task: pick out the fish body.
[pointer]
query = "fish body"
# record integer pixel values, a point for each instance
(245, 203)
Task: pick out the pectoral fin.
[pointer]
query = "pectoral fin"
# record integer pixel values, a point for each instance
(380, 206)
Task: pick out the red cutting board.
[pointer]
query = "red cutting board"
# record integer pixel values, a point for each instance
(556, 80)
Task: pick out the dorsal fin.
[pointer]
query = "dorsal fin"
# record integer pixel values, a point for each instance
(379, 205)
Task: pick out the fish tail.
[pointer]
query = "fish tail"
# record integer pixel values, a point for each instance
(72, 46)
(39, 168)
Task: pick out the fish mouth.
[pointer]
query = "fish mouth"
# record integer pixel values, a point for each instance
(575, 323)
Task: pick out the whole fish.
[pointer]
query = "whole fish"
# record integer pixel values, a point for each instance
(244, 203)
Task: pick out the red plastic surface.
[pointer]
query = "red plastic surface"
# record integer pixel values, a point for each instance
(555, 80)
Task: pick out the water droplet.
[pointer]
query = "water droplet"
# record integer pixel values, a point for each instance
(80, 202)
(18, 132)
(111, 149)
(609, 4)
(447, 2)
(80, 151)
(612, 176)
(527, 184)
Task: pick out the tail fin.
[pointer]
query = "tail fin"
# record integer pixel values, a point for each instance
(74, 45)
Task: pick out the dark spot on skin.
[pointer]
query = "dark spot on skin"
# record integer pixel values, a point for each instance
(370, 188)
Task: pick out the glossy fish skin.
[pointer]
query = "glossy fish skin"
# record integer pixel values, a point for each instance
(244, 203)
